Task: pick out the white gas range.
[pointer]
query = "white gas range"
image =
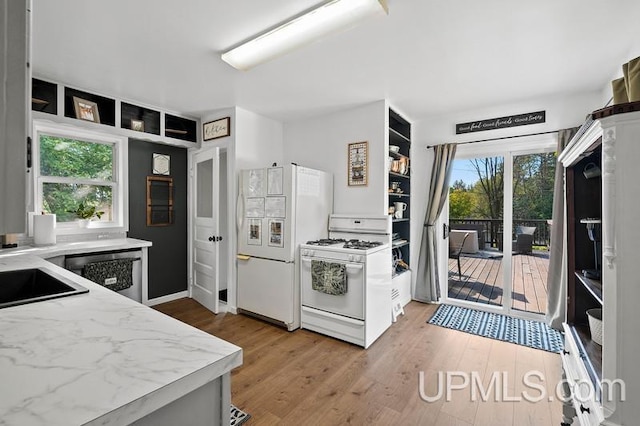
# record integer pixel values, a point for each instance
(346, 279)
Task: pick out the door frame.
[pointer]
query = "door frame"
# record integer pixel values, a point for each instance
(232, 182)
(507, 148)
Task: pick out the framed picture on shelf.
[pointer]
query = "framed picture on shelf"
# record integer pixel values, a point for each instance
(137, 125)
(86, 110)
(358, 161)
(216, 129)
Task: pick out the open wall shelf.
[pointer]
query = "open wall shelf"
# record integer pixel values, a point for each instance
(44, 96)
(180, 128)
(139, 119)
(106, 106)
(399, 190)
(112, 112)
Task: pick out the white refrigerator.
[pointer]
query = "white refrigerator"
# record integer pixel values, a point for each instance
(278, 209)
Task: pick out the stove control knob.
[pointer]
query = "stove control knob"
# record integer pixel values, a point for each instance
(358, 258)
(310, 253)
(350, 258)
(303, 252)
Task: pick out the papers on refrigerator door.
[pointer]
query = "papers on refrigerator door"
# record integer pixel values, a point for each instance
(274, 181)
(275, 207)
(276, 231)
(256, 183)
(254, 207)
(254, 236)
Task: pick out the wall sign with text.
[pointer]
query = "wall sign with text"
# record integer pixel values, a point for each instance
(216, 129)
(502, 122)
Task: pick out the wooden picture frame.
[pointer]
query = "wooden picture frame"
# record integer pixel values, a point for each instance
(86, 110)
(216, 129)
(159, 201)
(137, 125)
(358, 164)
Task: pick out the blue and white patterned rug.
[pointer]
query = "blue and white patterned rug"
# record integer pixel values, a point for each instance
(238, 416)
(533, 334)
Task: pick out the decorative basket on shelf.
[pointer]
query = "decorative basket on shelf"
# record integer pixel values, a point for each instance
(595, 325)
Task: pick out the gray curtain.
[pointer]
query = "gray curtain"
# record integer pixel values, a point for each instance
(557, 276)
(427, 283)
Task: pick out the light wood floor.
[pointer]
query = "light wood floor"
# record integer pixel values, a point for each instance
(482, 281)
(304, 378)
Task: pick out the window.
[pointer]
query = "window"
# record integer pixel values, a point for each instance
(74, 167)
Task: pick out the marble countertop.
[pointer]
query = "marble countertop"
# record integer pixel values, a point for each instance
(62, 249)
(97, 358)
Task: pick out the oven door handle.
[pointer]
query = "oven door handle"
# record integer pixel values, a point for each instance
(357, 266)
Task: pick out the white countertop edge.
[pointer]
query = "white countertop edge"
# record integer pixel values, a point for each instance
(76, 247)
(151, 402)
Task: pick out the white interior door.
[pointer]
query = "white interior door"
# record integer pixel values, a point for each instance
(206, 235)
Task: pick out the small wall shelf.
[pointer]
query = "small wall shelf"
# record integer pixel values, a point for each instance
(106, 106)
(44, 96)
(149, 118)
(56, 99)
(400, 175)
(159, 201)
(180, 128)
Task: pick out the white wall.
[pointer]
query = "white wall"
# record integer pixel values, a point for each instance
(561, 112)
(321, 143)
(255, 141)
(258, 140)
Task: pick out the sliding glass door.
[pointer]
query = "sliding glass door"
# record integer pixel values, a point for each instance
(476, 198)
(532, 183)
(499, 221)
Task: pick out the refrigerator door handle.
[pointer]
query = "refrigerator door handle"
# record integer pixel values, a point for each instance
(240, 211)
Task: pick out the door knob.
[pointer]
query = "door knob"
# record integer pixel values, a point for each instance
(219, 239)
(212, 239)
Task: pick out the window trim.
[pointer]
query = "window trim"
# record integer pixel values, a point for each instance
(119, 182)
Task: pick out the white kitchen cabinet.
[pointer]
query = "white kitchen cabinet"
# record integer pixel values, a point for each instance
(14, 113)
(611, 143)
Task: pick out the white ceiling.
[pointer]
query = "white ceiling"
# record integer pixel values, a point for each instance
(426, 57)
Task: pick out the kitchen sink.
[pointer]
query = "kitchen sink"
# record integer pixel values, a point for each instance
(34, 285)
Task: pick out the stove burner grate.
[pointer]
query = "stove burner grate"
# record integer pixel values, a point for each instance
(326, 242)
(361, 245)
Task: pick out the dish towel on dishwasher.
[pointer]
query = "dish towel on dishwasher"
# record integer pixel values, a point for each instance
(329, 277)
(115, 274)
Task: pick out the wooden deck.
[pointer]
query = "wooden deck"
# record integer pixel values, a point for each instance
(482, 281)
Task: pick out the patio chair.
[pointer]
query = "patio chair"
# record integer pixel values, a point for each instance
(524, 239)
(456, 251)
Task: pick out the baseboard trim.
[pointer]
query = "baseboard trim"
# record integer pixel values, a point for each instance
(167, 298)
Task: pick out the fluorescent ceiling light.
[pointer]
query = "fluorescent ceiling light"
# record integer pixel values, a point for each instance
(332, 16)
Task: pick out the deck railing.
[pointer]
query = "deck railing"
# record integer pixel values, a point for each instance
(493, 229)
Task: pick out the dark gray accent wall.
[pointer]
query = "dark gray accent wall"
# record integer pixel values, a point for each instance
(168, 255)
